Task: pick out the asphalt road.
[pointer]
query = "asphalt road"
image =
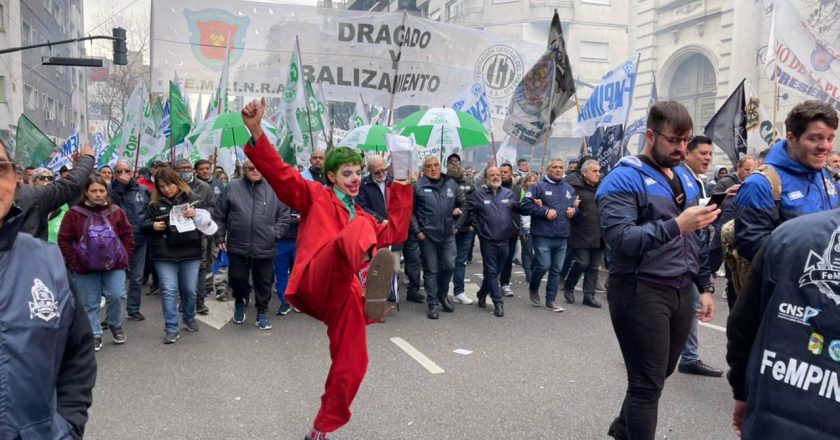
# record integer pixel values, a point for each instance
(533, 374)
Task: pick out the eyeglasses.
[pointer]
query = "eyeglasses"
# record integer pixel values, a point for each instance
(673, 140)
(378, 172)
(47, 178)
(249, 168)
(122, 172)
(7, 168)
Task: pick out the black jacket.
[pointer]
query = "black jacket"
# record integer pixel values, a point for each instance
(586, 229)
(47, 364)
(434, 203)
(37, 202)
(133, 198)
(251, 219)
(169, 244)
(466, 188)
(371, 198)
(491, 213)
(203, 192)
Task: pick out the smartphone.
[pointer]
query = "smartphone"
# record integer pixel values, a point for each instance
(717, 199)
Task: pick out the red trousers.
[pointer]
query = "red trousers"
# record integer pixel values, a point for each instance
(331, 292)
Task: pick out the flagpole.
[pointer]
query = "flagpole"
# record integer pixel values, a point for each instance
(308, 116)
(584, 146)
(137, 152)
(493, 144)
(775, 103)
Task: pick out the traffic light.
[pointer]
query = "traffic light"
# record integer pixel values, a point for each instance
(120, 51)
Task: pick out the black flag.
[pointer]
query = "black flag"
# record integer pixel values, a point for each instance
(728, 127)
(564, 83)
(607, 147)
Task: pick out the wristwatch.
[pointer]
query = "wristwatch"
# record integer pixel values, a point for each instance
(710, 288)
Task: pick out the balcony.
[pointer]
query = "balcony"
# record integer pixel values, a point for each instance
(545, 8)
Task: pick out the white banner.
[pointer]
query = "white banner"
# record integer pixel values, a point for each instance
(610, 102)
(473, 100)
(349, 52)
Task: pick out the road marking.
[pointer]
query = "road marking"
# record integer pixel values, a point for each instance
(713, 327)
(220, 313)
(419, 357)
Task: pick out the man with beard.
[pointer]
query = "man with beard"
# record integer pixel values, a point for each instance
(212, 283)
(465, 234)
(315, 172)
(649, 216)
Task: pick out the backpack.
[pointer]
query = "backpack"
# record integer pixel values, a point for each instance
(99, 248)
(738, 265)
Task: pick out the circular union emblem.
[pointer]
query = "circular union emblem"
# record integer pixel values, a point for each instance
(500, 69)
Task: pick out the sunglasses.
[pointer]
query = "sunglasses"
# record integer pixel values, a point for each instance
(7, 168)
(47, 178)
(122, 172)
(378, 172)
(249, 168)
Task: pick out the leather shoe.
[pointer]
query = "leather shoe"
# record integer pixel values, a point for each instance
(535, 298)
(591, 302)
(570, 297)
(433, 311)
(499, 310)
(700, 369)
(482, 300)
(416, 298)
(446, 305)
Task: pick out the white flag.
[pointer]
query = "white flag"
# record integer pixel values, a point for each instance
(610, 101)
(133, 121)
(197, 116)
(294, 105)
(474, 101)
(506, 152)
(359, 116)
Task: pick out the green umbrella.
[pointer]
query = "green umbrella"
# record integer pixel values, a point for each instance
(450, 129)
(230, 129)
(367, 138)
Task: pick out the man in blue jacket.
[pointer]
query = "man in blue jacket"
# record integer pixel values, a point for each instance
(133, 198)
(649, 218)
(490, 208)
(807, 186)
(550, 203)
(437, 203)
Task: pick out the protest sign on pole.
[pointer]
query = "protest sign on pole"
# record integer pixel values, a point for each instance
(32, 146)
(728, 127)
(611, 100)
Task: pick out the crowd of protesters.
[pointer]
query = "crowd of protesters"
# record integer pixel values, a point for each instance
(649, 223)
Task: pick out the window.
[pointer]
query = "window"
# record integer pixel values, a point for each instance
(451, 11)
(28, 97)
(594, 51)
(62, 114)
(81, 80)
(2, 89)
(25, 31)
(50, 109)
(2, 18)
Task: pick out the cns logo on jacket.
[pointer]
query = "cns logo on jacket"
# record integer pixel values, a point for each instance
(43, 303)
(823, 270)
(209, 32)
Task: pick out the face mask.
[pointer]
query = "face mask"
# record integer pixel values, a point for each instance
(186, 175)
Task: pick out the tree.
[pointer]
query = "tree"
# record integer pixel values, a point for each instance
(108, 96)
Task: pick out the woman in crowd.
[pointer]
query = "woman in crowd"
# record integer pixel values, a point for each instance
(175, 255)
(106, 173)
(96, 241)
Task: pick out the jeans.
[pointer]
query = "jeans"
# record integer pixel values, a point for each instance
(651, 323)
(135, 277)
(260, 271)
(493, 255)
(463, 244)
(92, 287)
(585, 262)
(507, 264)
(691, 352)
(550, 253)
(527, 256)
(177, 276)
(411, 252)
(284, 259)
(438, 265)
(567, 263)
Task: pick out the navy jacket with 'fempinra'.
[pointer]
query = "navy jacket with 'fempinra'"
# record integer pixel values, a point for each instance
(638, 218)
(492, 213)
(558, 196)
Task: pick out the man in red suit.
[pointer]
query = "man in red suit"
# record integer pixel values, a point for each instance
(336, 238)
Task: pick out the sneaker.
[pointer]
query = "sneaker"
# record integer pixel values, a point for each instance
(136, 316)
(191, 326)
(284, 309)
(118, 334)
(599, 288)
(262, 322)
(171, 337)
(201, 309)
(463, 299)
(97, 343)
(239, 314)
(535, 298)
(554, 306)
(507, 291)
(222, 297)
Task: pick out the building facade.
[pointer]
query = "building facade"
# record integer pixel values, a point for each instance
(11, 74)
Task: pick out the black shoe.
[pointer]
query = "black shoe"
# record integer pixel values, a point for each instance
(191, 326)
(447, 305)
(97, 343)
(700, 369)
(482, 300)
(416, 298)
(535, 298)
(136, 316)
(201, 309)
(170, 338)
(119, 335)
(570, 297)
(591, 302)
(433, 311)
(499, 310)
(617, 430)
